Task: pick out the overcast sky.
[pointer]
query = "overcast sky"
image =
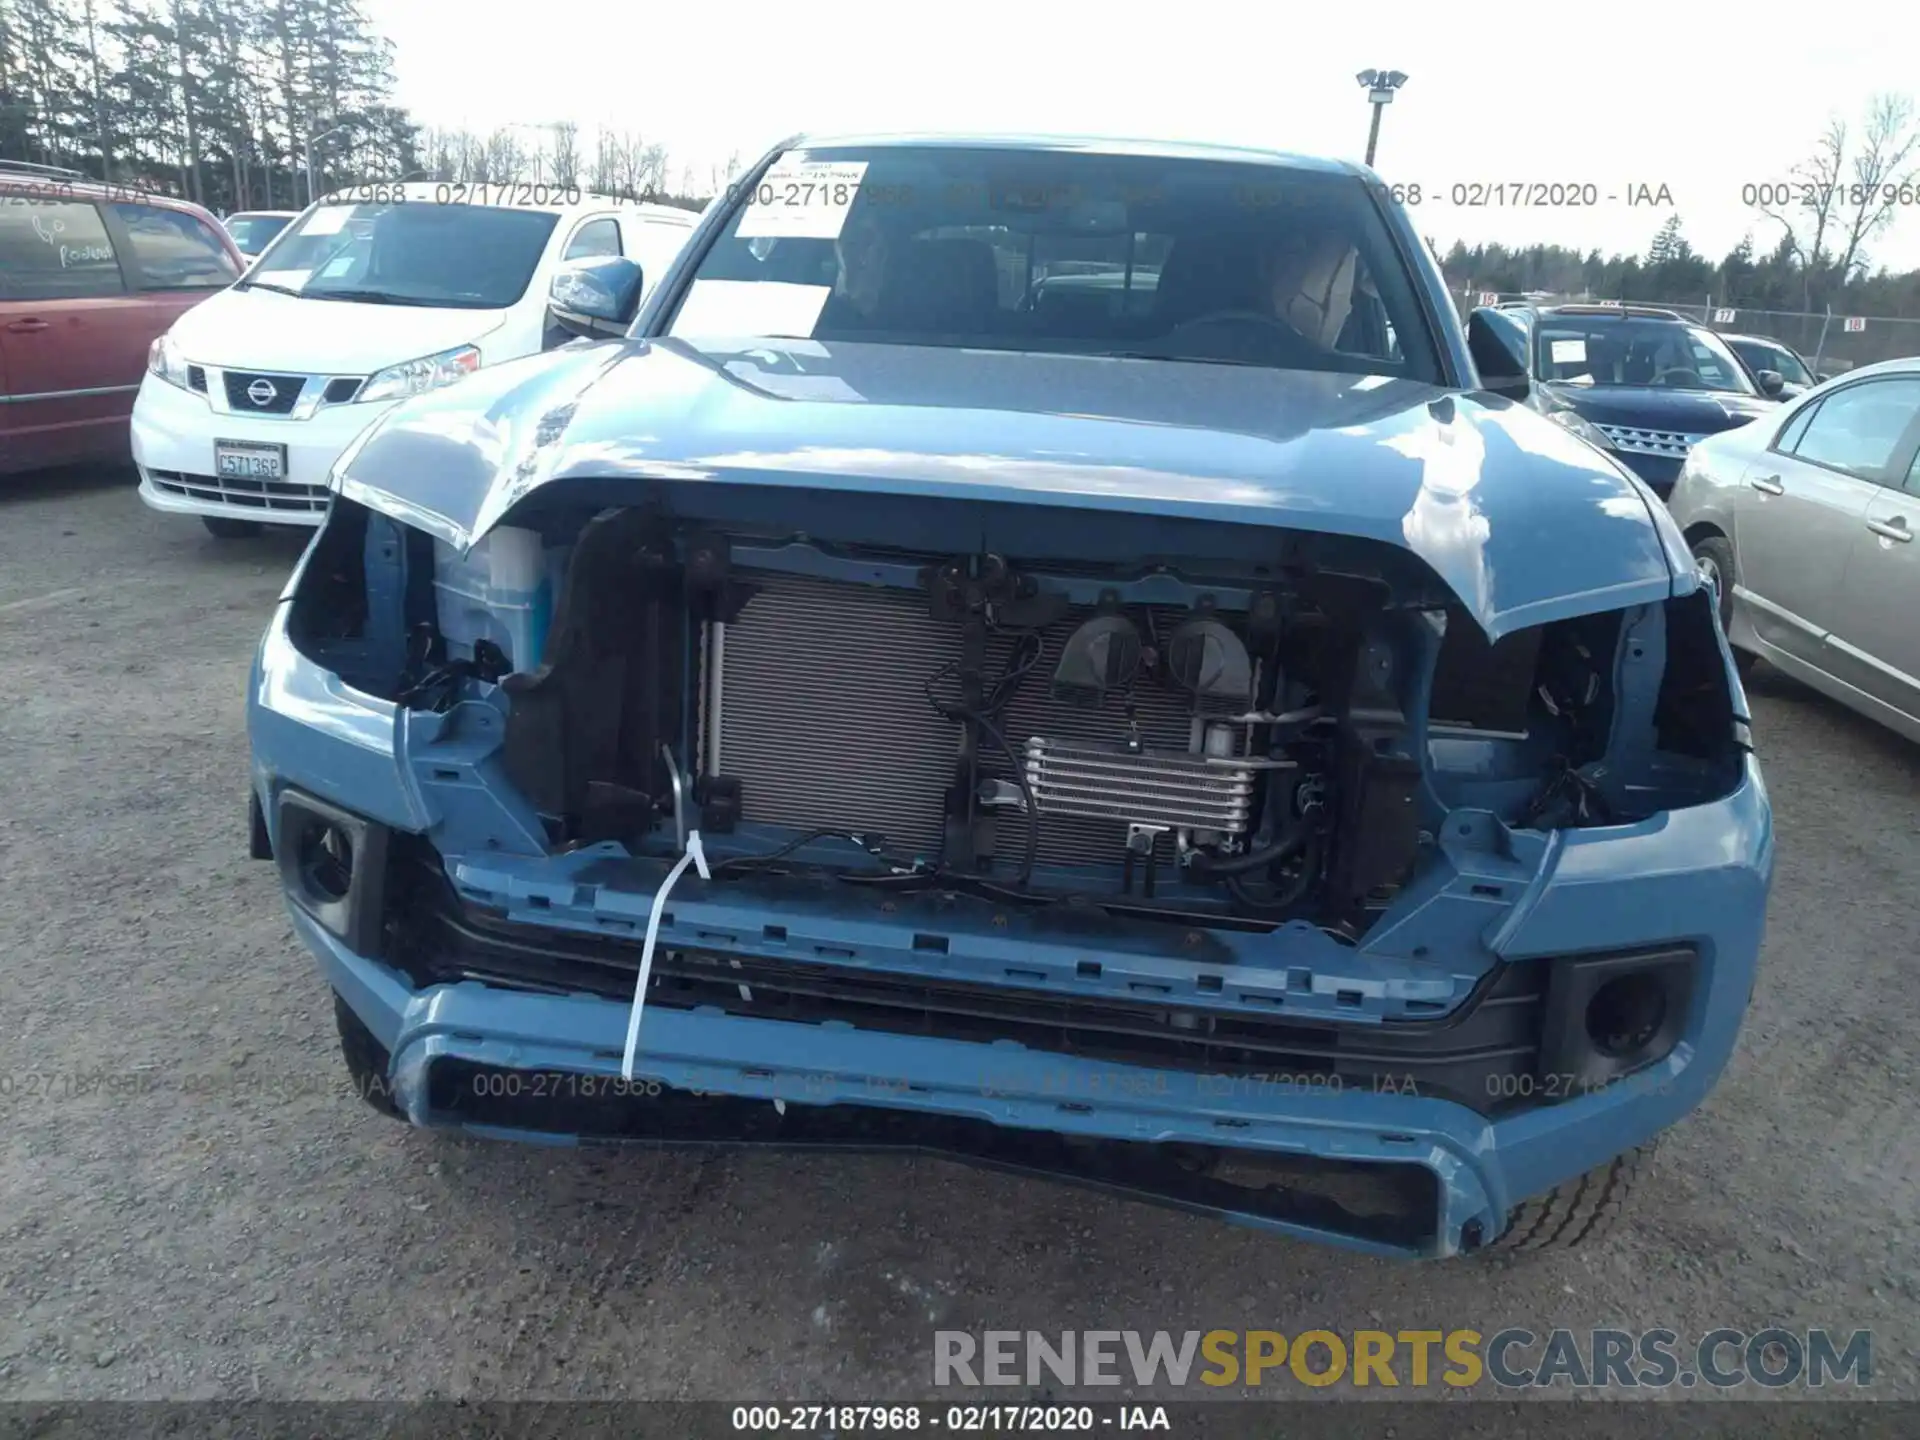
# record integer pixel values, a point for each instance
(1701, 99)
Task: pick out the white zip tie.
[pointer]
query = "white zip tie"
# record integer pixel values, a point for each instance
(694, 856)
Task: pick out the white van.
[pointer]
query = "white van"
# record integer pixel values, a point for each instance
(372, 295)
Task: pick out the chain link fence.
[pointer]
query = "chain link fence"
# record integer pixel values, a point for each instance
(1829, 343)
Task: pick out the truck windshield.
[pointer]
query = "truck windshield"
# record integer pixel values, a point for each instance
(1065, 251)
(468, 257)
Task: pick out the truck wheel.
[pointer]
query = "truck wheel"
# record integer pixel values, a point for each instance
(1714, 555)
(1582, 1210)
(221, 528)
(366, 1059)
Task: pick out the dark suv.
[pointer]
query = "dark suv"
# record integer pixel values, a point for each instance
(1645, 385)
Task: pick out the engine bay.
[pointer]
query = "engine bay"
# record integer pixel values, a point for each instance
(978, 730)
(1163, 741)
(1201, 736)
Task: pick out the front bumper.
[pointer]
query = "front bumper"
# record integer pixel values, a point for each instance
(174, 431)
(1697, 876)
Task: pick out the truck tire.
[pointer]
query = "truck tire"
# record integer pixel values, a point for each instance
(366, 1058)
(1583, 1210)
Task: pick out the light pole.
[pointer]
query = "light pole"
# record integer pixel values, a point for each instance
(1379, 85)
(323, 135)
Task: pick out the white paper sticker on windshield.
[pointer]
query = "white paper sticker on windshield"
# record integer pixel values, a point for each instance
(773, 308)
(1569, 352)
(327, 220)
(808, 199)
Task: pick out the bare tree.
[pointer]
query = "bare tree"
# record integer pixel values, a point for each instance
(1808, 215)
(653, 169)
(641, 168)
(604, 178)
(1883, 164)
(189, 102)
(1843, 195)
(566, 154)
(500, 158)
(98, 85)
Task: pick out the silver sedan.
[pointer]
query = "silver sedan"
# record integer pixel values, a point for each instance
(1804, 522)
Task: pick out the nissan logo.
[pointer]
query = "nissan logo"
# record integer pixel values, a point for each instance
(261, 392)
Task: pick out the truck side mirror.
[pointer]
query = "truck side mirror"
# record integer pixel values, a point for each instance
(1502, 366)
(596, 296)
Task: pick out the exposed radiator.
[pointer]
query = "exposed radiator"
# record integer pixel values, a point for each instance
(825, 721)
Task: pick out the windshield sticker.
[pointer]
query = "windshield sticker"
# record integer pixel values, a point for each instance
(338, 267)
(774, 308)
(327, 220)
(807, 199)
(1569, 352)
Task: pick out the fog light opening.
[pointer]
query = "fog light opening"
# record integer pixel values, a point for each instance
(325, 861)
(1626, 1013)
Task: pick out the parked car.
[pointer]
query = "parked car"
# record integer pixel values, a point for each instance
(1231, 752)
(1643, 384)
(89, 275)
(1762, 354)
(1804, 527)
(253, 229)
(365, 299)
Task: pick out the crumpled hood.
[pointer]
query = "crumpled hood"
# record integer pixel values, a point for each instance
(265, 330)
(1524, 522)
(1692, 412)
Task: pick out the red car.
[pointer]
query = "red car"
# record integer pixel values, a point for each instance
(90, 276)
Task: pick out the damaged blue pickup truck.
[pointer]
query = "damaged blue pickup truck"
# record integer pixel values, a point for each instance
(1062, 655)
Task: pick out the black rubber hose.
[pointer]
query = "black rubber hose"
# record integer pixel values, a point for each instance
(1283, 899)
(1026, 790)
(1285, 848)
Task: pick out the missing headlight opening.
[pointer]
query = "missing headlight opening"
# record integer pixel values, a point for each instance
(1203, 736)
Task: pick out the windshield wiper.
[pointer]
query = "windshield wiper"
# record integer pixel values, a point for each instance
(263, 285)
(364, 297)
(1184, 359)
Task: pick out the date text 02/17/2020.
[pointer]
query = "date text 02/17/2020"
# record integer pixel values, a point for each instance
(960, 1419)
(1528, 194)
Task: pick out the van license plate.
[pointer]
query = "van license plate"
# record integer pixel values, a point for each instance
(242, 460)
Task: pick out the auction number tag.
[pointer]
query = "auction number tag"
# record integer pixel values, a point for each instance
(328, 220)
(772, 308)
(1856, 323)
(804, 199)
(1723, 317)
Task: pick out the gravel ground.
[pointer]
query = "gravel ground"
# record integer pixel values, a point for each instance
(248, 1228)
